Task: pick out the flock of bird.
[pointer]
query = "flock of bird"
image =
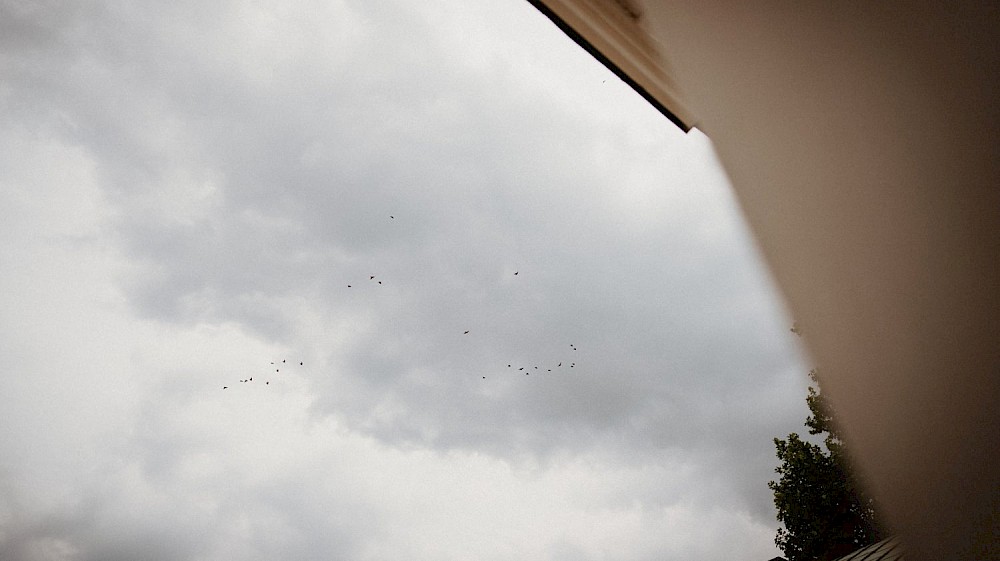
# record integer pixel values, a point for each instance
(371, 278)
(528, 373)
(277, 370)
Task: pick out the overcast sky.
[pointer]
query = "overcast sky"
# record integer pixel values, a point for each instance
(192, 191)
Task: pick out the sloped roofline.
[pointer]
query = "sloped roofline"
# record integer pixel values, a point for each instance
(889, 549)
(645, 74)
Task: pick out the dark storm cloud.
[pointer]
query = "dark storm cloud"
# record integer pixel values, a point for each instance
(303, 160)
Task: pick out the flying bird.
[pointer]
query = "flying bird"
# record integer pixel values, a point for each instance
(515, 273)
(371, 277)
(466, 333)
(225, 387)
(300, 364)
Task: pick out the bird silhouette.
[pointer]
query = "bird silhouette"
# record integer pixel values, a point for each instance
(225, 387)
(466, 333)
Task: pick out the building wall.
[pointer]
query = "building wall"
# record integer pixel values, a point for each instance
(861, 141)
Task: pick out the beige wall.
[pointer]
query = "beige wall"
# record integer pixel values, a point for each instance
(862, 145)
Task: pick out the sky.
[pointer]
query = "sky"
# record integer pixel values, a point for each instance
(494, 306)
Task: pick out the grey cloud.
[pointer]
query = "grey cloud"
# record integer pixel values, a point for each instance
(253, 189)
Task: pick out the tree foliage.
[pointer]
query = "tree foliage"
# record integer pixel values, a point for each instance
(825, 512)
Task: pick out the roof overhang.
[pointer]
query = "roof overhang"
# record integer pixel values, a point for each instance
(612, 31)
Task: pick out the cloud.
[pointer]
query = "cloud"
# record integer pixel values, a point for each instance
(190, 189)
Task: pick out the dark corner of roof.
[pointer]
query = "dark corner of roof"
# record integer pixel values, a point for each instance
(590, 48)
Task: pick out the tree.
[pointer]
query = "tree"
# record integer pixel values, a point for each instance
(825, 512)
